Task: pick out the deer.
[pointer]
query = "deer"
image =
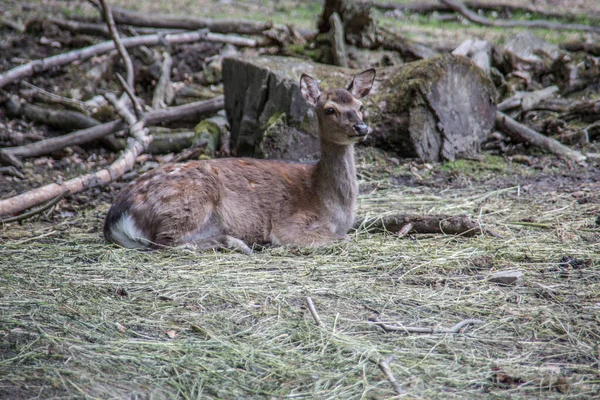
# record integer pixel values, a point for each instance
(237, 203)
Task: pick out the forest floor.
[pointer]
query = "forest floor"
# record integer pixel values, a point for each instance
(83, 319)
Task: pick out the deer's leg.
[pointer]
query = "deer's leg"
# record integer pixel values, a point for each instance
(304, 231)
(219, 242)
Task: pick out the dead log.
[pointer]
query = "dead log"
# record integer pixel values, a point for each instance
(244, 27)
(45, 64)
(460, 7)
(523, 134)
(191, 111)
(65, 120)
(435, 109)
(446, 224)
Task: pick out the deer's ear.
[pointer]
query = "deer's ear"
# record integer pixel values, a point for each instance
(309, 87)
(362, 83)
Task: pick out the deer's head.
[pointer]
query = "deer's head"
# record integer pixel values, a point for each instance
(339, 111)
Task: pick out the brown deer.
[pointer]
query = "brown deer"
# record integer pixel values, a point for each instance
(236, 202)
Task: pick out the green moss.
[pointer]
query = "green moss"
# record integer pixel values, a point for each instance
(489, 166)
(209, 131)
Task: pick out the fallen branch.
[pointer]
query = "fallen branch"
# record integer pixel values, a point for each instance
(450, 225)
(112, 28)
(313, 311)
(35, 212)
(12, 171)
(45, 64)
(522, 133)
(387, 370)
(165, 21)
(527, 100)
(4, 21)
(66, 120)
(459, 7)
(48, 97)
(163, 92)
(47, 146)
(422, 7)
(418, 329)
(87, 28)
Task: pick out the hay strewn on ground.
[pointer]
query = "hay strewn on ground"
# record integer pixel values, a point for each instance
(79, 318)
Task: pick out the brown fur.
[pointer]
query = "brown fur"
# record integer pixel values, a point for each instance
(234, 202)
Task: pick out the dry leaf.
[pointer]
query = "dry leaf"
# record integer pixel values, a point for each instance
(171, 333)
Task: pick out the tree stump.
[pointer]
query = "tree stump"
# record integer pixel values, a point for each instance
(435, 109)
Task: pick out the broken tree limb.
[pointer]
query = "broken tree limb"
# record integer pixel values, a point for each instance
(66, 120)
(35, 212)
(418, 329)
(459, 7)
(88, 28)
(424, 7)
(527, 100)
(163, 90)
(522, 133)
(313, 311)
(45, 64)
(166, 21)
(33, 91)
(188, 111)
(450, 225)
(112, 28)
(384, 364)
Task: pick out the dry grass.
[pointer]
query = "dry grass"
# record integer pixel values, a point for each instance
(79, 318)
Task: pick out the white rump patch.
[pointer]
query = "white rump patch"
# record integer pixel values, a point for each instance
(126, 233)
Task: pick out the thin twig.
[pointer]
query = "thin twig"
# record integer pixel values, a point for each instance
(108, 17)
(418, 329)
(384, 364)
(313, 311)
(54, 98)
(459, 7)
(130, 92)
(37, 211)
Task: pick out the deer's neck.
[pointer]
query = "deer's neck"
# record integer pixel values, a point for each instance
(335, 181)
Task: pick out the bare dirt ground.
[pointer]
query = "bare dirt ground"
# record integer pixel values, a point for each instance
(82, 319)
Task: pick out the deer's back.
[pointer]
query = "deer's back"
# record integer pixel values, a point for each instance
(237, 197)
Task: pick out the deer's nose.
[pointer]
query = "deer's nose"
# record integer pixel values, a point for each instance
(361, 129)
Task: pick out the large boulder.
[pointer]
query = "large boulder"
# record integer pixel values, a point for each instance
(435, 109)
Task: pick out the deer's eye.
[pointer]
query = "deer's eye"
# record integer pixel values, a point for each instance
(362, 108)
(329, 111)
